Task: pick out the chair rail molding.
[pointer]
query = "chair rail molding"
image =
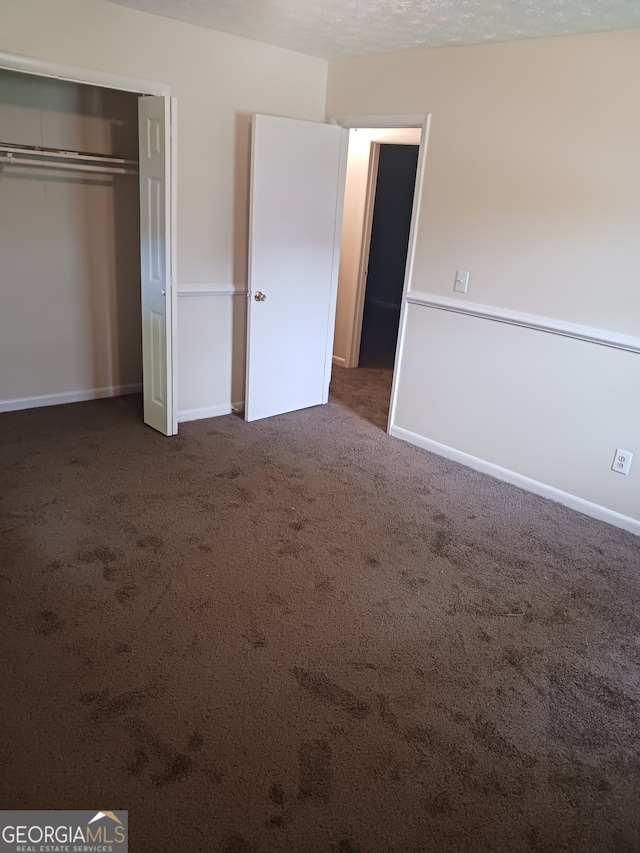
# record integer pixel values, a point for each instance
(211, 290)
(554, 326)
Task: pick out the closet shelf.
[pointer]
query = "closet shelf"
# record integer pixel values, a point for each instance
(53, 158)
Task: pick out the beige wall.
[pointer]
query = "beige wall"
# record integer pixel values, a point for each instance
(69, 246)
(530, 402)
(352, 248)
(218, 80)
(533, 185)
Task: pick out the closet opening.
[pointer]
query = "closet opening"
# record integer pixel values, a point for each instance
(70, 325)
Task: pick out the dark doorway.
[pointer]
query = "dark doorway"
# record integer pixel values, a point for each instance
(392, 208)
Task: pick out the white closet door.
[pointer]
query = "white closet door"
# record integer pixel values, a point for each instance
(297, 191)
(155, 116)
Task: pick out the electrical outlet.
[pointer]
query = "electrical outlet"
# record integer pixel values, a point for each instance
(462, 281)
(622, 461)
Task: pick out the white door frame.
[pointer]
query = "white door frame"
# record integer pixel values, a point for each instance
(77, 74)
(363, 266)
(139, 86)
(422, 120)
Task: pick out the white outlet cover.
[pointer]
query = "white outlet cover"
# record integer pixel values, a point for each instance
(622, 461)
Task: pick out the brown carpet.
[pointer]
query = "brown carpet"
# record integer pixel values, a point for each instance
(304, 635)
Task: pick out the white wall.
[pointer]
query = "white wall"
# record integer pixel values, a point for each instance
(350, 300)
(69, 248)
(219, 81)
(206, 317)
(533, 185)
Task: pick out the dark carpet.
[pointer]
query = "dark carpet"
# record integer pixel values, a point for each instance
(303, 635)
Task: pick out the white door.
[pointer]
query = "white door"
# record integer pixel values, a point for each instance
(156, 115)
(297, 192)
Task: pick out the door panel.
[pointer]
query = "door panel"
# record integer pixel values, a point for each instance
(297, 192)
(157, 262)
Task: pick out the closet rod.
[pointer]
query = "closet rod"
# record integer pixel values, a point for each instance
(11, 160)
(58, 153)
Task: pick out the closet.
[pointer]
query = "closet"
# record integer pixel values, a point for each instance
(69, 242)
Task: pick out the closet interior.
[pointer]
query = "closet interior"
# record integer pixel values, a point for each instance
(69, 242)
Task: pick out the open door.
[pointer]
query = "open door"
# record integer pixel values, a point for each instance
(156, 115)
(297, 191)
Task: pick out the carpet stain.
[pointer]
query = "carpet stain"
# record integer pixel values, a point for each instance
(127, 592)
(325, 586)
(244, 495)
(317, 684)
(156, 543)
(105, 708)
(196, 742)
(441, 542)
(48, 622)
(412, 580)
(363, 664)
(76, 463)
(347, 845)
(255, 638)
(179, 768)
(229, 473)
(277, 794)
(315, 770)
(175, 764)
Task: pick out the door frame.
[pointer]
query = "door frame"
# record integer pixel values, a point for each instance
(78, 74)
(363, 265)
(423, 121)
(141, 87)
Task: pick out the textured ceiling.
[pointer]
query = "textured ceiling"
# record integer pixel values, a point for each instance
(334, 28)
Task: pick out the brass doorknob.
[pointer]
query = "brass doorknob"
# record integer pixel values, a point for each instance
(259, 297)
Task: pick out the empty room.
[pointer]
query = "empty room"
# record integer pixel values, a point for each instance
(273, 578)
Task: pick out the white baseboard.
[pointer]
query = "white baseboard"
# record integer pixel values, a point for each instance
(572, 501)
(204, 412)
(341, 362)
(18, 403)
